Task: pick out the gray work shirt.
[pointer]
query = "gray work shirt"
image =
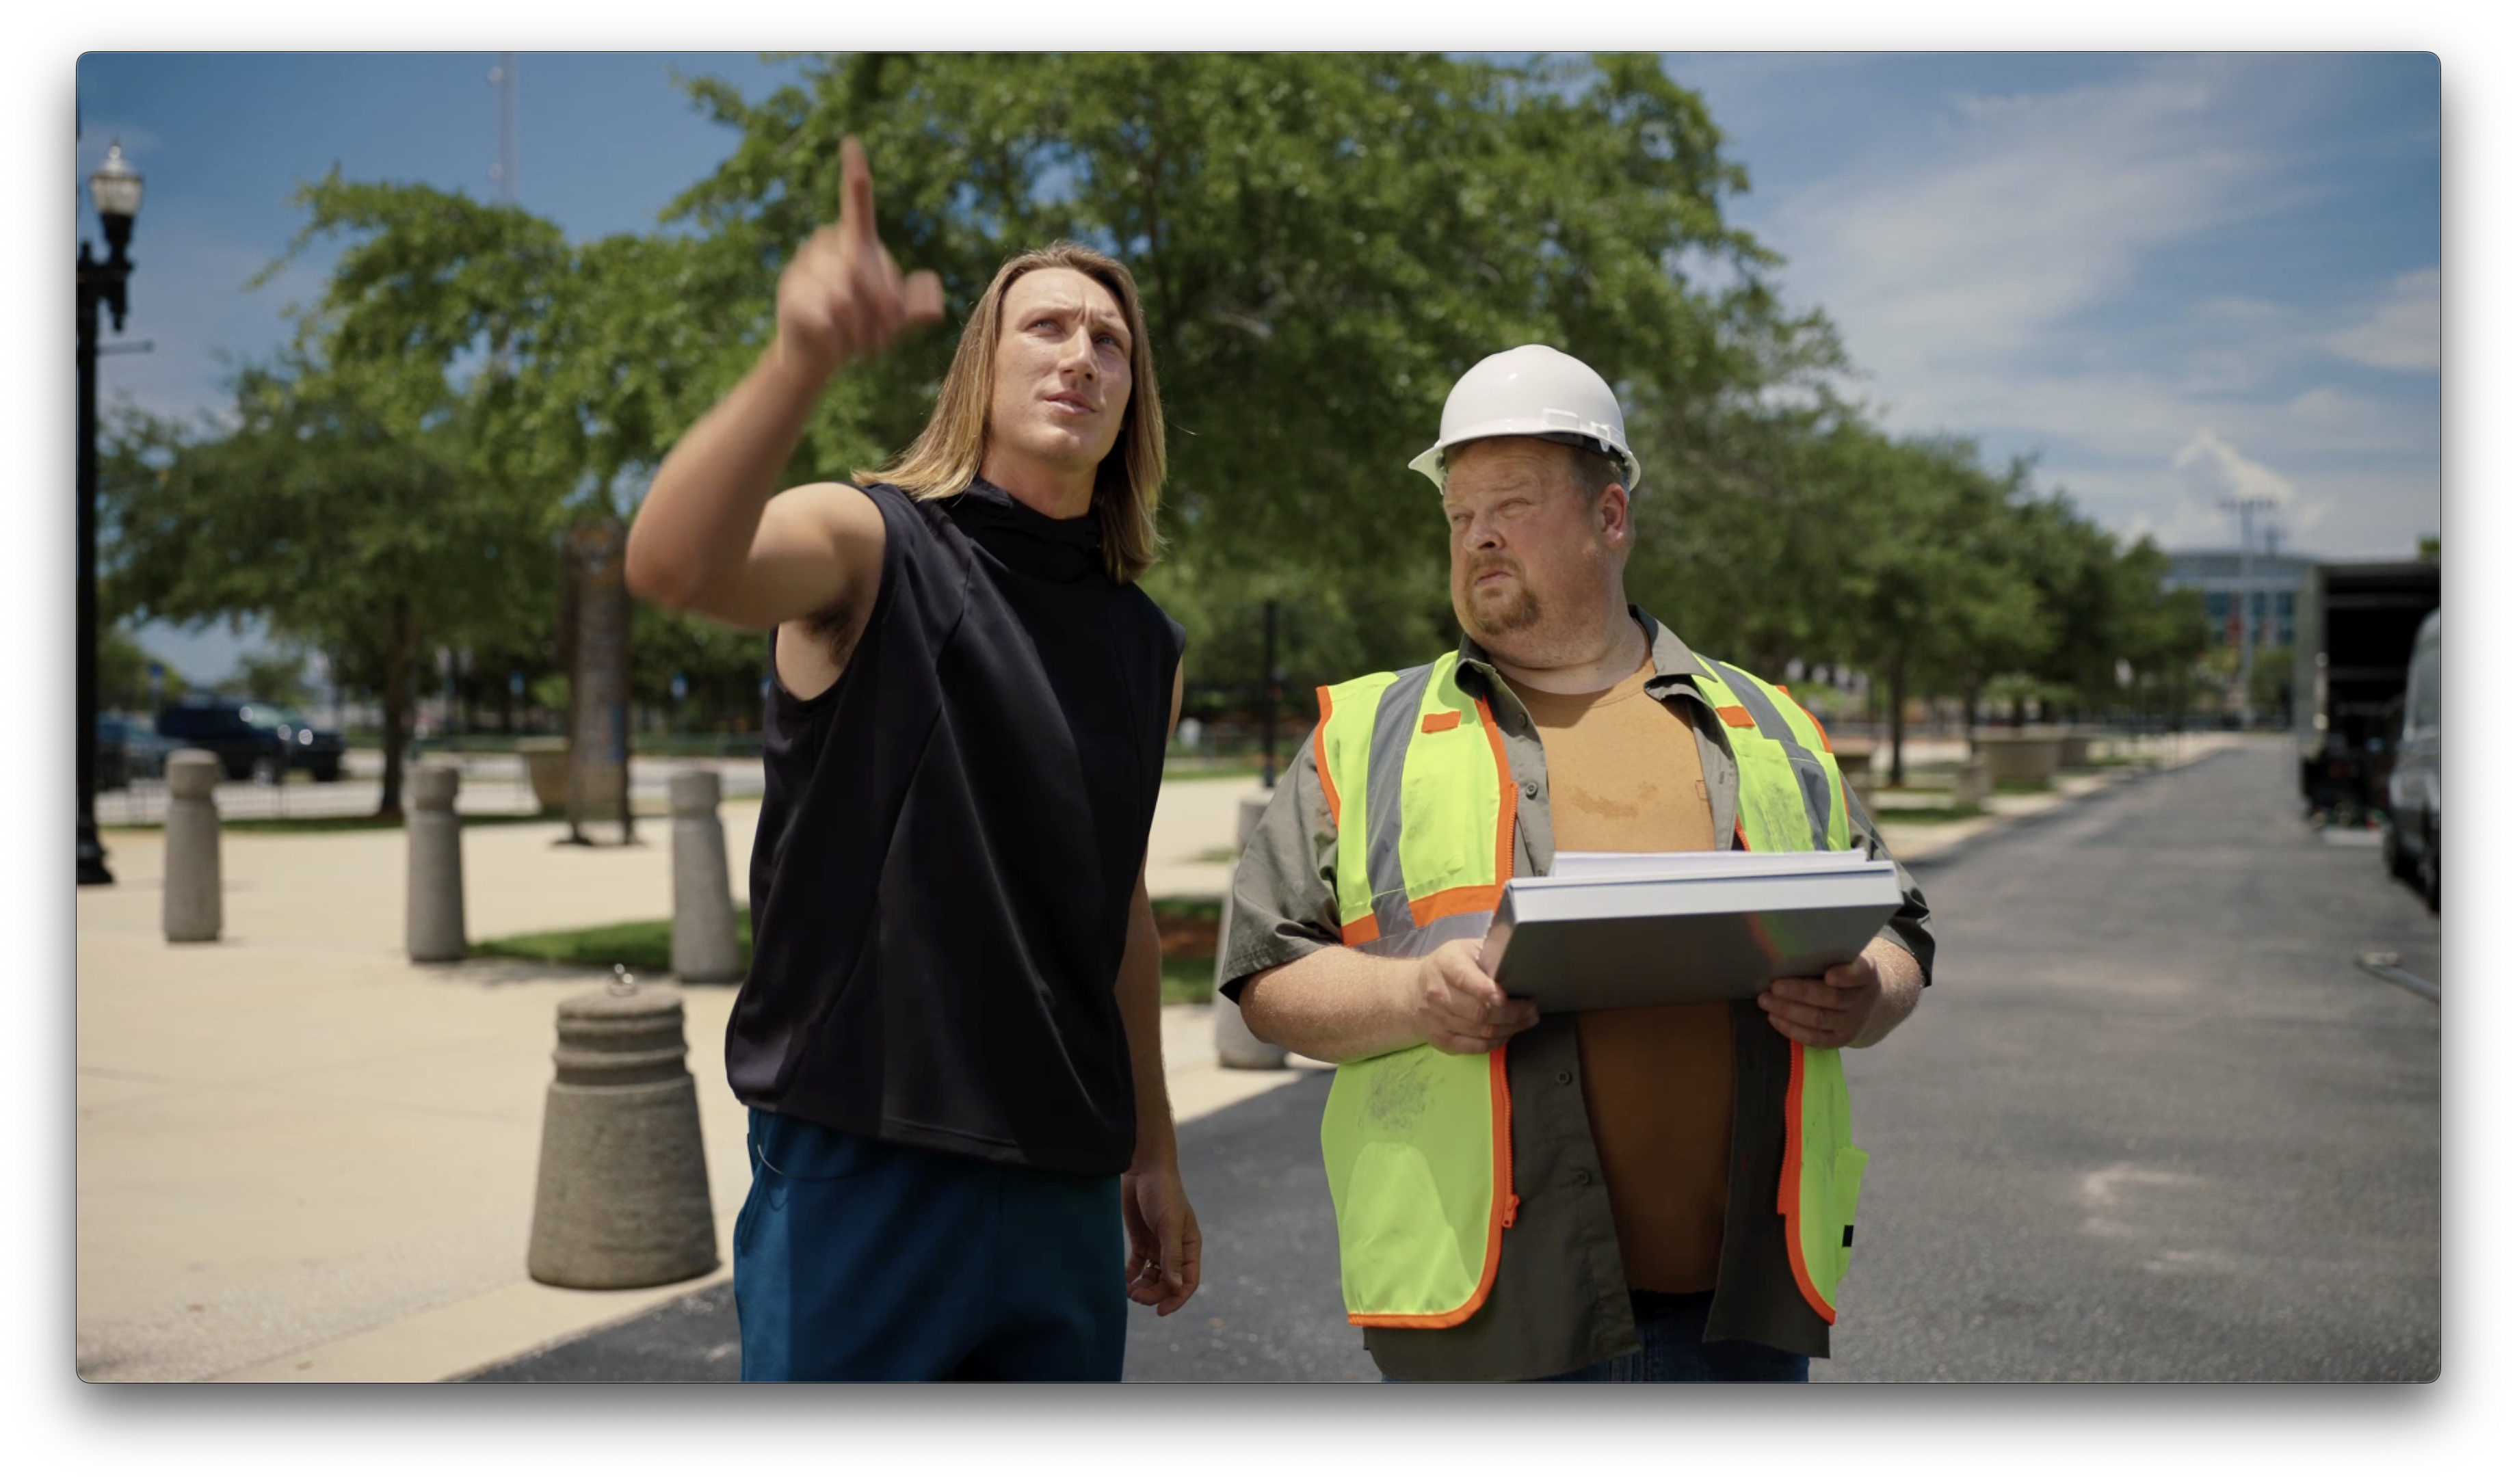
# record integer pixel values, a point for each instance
(1559, 1300)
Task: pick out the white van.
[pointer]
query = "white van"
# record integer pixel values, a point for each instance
(2413, 788)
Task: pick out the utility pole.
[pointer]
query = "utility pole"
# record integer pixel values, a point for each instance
(2246, 509)
(504, 78)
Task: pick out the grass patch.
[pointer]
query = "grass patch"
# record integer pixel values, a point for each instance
(1195, 768)
(644, 946)
(1940, 816)
(1187, 980)
(337, 824)
(1187, 927)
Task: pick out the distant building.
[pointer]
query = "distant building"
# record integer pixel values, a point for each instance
(2271, 585)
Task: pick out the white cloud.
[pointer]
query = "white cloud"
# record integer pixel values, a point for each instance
(2078, 274)
(2335, 509)
(2213, 471)
(2024, 212)
(2137, 415)
(2402, 334)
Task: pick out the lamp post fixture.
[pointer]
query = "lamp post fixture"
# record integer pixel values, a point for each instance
(114, 188)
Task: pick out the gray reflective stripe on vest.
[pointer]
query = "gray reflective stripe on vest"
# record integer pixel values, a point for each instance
(1412, 942)
(1393, 727)
(1815, 796)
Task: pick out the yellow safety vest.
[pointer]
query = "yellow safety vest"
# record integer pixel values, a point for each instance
(1417, 1142)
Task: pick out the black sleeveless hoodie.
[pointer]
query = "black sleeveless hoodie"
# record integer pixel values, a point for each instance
(948, 843)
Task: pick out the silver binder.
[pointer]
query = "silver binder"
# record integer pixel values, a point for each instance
(1718, 928)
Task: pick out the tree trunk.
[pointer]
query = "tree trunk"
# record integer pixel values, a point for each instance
(1974, 698)
(1896, 724)
(601, 707)
(396, 712)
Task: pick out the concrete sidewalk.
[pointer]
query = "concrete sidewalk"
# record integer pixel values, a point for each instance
(301, 1157)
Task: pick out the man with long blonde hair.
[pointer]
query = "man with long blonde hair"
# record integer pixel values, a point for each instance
(950, 1041)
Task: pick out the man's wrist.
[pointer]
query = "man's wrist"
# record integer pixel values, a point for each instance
(797, 369)
(1405, 988)
(1161, 1152)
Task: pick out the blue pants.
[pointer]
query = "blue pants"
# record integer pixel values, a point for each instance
(861, 1260)
(1671, 1326)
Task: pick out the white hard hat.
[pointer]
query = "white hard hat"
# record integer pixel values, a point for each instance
(1532, 390)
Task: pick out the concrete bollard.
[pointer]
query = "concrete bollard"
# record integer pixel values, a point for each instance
(2023, 756)
(621, 1199)
(704, 943)
(1234, 1045)
(546, 763)
(194, 890)
(1973, 785)
(433, 924)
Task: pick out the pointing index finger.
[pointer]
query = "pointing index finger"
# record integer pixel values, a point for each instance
(856, 190)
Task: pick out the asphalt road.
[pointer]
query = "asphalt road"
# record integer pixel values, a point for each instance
(2153, 1122)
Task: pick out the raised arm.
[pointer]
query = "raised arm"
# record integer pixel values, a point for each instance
(713, 536)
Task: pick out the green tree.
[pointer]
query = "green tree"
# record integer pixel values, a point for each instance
(2164, 631)
(1934, 599)
(2151, 631)
(721, 669)
(277, 677)
(122, 673)
(386, 485)
(1748, 513)
(332, 513)
(1324, 243)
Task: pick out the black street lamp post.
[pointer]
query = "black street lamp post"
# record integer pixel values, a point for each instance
(114, 188)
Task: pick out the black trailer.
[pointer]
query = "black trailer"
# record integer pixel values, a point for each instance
(2356, 624)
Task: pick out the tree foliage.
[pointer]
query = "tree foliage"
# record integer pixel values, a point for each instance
(1325, 243)
(335, 510)
(122, 673)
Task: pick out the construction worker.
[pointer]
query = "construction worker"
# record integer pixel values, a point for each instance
(1662, 1193)
(950, 1040)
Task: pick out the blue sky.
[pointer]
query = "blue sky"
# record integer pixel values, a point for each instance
(2170, 279)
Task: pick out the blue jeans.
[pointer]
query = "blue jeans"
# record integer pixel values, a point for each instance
(1671, 1326)
(858, 1260)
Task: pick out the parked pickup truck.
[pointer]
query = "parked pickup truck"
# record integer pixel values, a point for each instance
(127, 748)
(253, 738)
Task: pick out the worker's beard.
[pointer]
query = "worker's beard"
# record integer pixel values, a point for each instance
(1491, 617)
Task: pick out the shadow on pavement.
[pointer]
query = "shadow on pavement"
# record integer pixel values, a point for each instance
(1267, 1308)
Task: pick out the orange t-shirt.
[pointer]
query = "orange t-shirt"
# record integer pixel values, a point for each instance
(1623, 774)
